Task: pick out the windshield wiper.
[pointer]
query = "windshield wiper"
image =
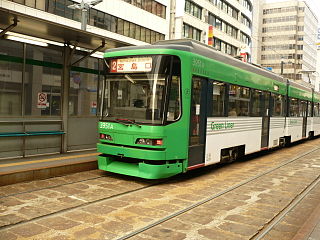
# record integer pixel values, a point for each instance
(127, 122)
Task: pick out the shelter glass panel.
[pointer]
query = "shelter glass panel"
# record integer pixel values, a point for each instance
(10, 78)
(83, 89)
(42, 82)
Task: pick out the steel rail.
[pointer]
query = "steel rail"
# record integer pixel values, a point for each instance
(286, 210)
(180, 212)
(85, 204)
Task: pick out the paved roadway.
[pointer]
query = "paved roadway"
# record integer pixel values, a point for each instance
(270, 196)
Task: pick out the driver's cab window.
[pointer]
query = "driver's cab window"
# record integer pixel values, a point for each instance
(174, 104)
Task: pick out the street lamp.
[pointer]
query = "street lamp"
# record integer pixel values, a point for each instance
(282, 63)
(84, 6)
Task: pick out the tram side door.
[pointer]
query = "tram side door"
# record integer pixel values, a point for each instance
(198, 121)
(265, 119)
(304, 120)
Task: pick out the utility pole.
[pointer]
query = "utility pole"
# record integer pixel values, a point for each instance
(282, 63)
(84, 6)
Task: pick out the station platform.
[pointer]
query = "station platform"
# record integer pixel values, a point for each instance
(40, 167)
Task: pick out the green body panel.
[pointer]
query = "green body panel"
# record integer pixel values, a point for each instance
(142, 170)
(215, 70)
(129, 152)
(316, 97)
(175, 135)
(299, 93)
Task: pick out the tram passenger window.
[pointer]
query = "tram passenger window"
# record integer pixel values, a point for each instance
(257, 103)
(294, 107)
(239, 98)
(278, 102)
(303, 108)
(218, 99)
(316, 110)
(309, 109)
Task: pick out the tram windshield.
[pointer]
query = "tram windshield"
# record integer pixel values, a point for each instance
(142, 89)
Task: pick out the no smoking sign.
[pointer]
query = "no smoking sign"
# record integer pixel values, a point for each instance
(42, 100)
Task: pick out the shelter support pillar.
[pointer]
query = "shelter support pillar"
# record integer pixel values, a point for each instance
(65, 96)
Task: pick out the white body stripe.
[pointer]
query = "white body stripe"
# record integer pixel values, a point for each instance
(234, 131)
(316, 125)
(228, 132)
(277, 130)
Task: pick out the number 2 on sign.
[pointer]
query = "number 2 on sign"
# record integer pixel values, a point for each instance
(113, 66)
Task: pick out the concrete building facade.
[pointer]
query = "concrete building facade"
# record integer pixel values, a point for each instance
(231, 23)
(288, 41)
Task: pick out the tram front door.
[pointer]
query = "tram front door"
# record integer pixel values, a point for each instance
(198, 121)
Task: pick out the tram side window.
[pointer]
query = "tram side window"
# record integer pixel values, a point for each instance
(218, 99)
(257, 101)
(239, 98)
(278, 105)
(294, 107)
(174, 107)
(309, 109)
(316, 112)
(303, 108)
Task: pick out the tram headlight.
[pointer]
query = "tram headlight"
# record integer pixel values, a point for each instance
(105, 137)
(148, 141)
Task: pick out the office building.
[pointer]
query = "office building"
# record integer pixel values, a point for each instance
(231, 23)
(288, 38)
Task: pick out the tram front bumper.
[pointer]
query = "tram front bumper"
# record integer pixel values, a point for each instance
(110, 160)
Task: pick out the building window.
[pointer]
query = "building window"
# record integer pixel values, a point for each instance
(247, 4)
(150, 6)
(246, 21)
(191, 32)
(193, 9)
(245, 38)
(101, 19)
(224, 47)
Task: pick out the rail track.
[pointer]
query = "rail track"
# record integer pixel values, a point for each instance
(232, 179)
(266, 228)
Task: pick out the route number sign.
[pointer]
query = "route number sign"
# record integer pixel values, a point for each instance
(130, 65)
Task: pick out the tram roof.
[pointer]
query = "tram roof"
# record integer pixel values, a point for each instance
(197, 47)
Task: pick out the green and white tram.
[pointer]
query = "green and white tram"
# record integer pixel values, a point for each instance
(178, 105)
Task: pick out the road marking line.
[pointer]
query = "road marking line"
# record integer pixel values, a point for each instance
(47, 160)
